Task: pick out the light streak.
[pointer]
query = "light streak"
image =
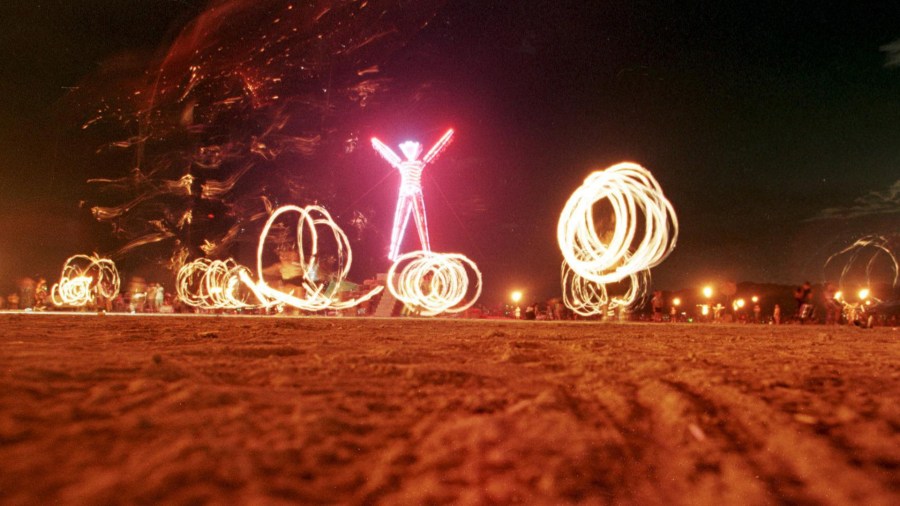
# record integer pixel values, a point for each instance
(317, 296)
(83, 279)
(410, 199)
(212, 284)
(644, 232)
(876, 247)
(216, 284)
(587, 298)
(629, 188)
(433, 283)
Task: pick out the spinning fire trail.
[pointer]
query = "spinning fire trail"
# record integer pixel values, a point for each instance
(410, 200)
(640, 233)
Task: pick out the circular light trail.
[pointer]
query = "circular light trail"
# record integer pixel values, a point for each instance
(433, 283)
(866, 256)
(83, 279)
(215, 284)
(587, 298)
(212, 284)
(317, 296)
(644, 230)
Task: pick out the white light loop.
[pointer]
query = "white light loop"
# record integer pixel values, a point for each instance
(587, 298)
(629, 189)
(433, 283)
(594, 259)
(212, 284)
(316, 297)
(83, 279)
(863, 256)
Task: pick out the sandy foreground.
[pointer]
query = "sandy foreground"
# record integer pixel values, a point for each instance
(150, 410)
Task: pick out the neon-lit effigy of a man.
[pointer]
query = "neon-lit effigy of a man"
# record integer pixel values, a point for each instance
(410, 200)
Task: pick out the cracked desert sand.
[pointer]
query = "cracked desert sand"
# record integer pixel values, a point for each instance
(187, 410)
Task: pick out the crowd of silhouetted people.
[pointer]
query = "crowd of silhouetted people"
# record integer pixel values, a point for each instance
(830, 307)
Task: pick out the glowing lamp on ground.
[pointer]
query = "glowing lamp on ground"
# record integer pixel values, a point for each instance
(864, 294)
(410, 201)
(838, 295)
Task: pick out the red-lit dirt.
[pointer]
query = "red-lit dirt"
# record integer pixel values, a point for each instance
(154, 410)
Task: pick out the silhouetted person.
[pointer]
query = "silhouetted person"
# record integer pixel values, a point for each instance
(657, 303)
(803, 296)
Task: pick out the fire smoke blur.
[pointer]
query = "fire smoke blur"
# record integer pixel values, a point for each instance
(249, 108)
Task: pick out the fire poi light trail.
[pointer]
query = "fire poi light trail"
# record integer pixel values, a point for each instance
(83, 279)
(610, 256)
(867, 251)
(587, 298)
(433, 283)
(316, 296)
(216, 284)
(212, 284)
(410, 200)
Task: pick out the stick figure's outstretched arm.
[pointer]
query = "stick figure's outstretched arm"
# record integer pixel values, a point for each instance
(386, 153)
(438, 147)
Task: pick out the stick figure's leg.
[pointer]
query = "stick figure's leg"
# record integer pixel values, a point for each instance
(421, 221)
(401, 219)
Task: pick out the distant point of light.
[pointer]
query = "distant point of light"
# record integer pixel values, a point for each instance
(516, 296)
(676, 301)
(433, 283)
(707, 291)
(864, 294)
(410, 200)
(84, 278)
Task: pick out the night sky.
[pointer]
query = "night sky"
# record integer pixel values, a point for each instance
(773, 128)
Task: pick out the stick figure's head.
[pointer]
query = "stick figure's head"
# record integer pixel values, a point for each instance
(412, 150)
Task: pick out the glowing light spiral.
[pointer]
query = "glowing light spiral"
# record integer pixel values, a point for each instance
(212, 284)
(587, 298)
(83, 279)
(433, 283)
(644, 230)
(317, 296)
(863, 257)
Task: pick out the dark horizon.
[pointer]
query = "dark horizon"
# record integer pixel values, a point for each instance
(771, 128)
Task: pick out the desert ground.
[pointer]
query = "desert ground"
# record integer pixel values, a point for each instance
(267, 410)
